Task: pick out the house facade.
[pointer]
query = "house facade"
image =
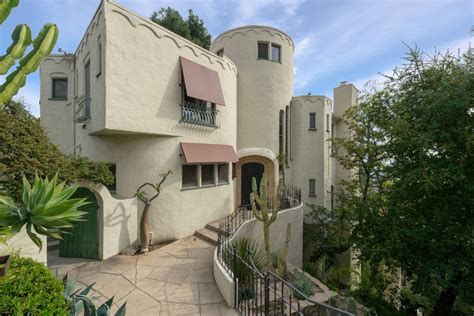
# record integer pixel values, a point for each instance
(145, 100)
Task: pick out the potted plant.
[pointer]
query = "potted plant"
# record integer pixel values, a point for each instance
(45, 208)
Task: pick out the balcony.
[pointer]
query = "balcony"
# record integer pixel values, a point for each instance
(192, 114)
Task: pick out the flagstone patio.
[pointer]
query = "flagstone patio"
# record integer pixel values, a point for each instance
(176, 279)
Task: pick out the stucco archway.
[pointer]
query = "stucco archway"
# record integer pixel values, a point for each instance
(269, 169)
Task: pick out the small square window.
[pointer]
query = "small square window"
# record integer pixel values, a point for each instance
(223, 173)
(220, 52)
(262, 50)
(189, 176)
(59, 89)
(312, 187)
(207, 174)
(276, 53)
(312, 120)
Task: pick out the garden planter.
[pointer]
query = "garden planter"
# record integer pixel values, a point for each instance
(4, 263)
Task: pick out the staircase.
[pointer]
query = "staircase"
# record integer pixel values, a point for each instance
(209, 233)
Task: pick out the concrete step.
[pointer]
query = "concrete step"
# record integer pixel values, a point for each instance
(207, 235)
(214, 226)
(53, 244)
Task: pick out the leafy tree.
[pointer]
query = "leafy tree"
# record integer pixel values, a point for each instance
(42, 45)
(192, 29)
(25, 150)
(411, 197)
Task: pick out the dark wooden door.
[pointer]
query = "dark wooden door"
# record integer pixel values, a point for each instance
(250, 170)
(82, 241)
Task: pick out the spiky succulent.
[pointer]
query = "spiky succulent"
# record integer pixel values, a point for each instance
(45, 206)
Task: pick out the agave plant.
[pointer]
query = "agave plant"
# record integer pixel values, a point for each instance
(81, 301)
(45, 206)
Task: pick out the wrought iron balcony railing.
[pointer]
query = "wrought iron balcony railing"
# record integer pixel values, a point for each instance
(193, 115)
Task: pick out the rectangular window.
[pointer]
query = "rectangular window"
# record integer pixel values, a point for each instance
(312, 187)
(276, 53)
(220, 52)
(223, 173)
(113, 169)
(262, 50)
(99, 62)
(234, 170)
(332, 197)
(328, 123)
(87, 88)
(59, 88)
(207, 175)
(312, 120)
(189, 176)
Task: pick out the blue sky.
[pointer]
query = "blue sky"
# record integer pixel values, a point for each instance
(335, 40)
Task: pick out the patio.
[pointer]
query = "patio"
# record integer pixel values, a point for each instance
(176, 279)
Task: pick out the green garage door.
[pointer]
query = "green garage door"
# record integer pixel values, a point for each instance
(81, 241)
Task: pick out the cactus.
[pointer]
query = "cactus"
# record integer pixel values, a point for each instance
(279, 258)
(21, 36)
(262, 213)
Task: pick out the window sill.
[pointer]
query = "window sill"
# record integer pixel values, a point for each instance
(58, 99)
(312, 129)
(267, 59)
(312, 195)
(223, 183)
(189, 188)
(210, 185)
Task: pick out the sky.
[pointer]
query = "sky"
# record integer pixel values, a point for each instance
(336, 40)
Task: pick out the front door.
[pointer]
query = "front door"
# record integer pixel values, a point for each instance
(250, 170)
(81, 241)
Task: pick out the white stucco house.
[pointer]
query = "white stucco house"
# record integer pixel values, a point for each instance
(145, 100)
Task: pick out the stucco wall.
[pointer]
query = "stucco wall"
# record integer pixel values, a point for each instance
(309, 158)
(264, 87)
(22, 243)
(253, 230)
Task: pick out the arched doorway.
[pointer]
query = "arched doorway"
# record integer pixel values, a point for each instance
(82, 241)
(249, 171)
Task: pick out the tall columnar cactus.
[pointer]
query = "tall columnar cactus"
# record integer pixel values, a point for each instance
(262, 212)
(21, 39)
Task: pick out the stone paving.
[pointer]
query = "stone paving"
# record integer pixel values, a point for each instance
(176, 279)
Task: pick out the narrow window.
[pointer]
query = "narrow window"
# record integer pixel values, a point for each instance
(280, 131)
(312, 187)
(87, 88)
(223, 173)
(328, 123)
(220, 52)
(99, 60)
(113, 169)
(189, 176)
(59, 88)
(312, 120)
(332, 197)
(276, 53)
(262, 50)
(207, 174)
(287, 114)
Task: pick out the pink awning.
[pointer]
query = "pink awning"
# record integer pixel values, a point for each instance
(208, 153)
(201, 82)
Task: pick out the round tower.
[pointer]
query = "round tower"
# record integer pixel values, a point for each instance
(264, 59)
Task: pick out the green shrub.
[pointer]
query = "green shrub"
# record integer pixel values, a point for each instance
(26, 150)
(248, 249)
(304, 285)
(30, 288)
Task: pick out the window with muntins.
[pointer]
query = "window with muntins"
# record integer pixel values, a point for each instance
(207, 175)
(262, 50)
(223, 173)
(312, 120)
(312, 187)
(59, 88)
(276, 53)
(190, 176)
